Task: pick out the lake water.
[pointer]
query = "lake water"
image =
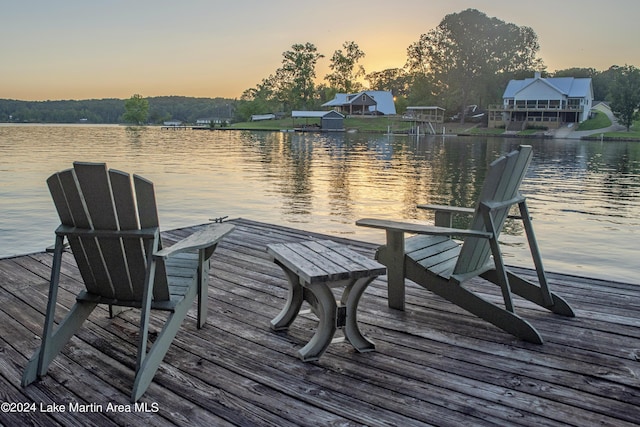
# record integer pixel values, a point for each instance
(584, 196)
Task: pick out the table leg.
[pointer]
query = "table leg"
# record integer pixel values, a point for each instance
(325, 308)
(351, 298)
(294, 301)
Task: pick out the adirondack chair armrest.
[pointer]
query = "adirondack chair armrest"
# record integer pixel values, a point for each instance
(498, 205)
(446, 208)
(504, 204)
(201, 239)
(408, 227)
(462, 210)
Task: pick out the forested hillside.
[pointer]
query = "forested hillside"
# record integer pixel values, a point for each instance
(161, 108)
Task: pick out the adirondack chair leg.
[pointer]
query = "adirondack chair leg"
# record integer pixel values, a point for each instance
(148, 362)
(532, 292)
(204, 264)
(145, 309)
(47, 352)
(392, 256)
(54, 341)
(501, 272)
(203, 276)
(502, 277)
(147, 370)
(538, 294)
(42, 358)
(498, 316)
(535, 253)
(51, 303)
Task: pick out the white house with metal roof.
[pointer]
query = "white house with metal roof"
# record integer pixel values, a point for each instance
(545, 102)
(366, 102)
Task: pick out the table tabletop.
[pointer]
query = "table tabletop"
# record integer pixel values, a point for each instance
(324, 261)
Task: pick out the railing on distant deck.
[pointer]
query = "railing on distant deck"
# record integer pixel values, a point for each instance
(536, 108)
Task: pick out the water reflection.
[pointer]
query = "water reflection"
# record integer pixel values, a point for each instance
(584, 196)
(135, 133)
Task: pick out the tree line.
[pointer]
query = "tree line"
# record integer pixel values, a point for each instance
(112, 111)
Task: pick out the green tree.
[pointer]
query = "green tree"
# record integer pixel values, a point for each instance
(600, 80)
(467, 51)
(625, 95)
(295, 79)
(325, 93)
(575, 72)
(602, 83)
(394, 80)
(345, 68)
(136, 110)
(258, 100)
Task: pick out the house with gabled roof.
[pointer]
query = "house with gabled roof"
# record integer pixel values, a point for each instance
(543, 102)
(330, 121)
(367, 102)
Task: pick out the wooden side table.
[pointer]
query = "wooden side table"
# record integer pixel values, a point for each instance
(313, 268)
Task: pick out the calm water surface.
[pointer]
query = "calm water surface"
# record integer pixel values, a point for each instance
(584, 196)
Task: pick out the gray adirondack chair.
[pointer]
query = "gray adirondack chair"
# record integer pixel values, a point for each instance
(434, 260)
(112, 229)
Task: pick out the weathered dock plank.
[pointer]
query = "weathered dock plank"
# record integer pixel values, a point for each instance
(434, 364)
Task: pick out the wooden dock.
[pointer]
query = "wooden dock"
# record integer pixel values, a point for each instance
(434, 364)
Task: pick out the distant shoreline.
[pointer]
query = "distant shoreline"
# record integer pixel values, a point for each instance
(452, 129)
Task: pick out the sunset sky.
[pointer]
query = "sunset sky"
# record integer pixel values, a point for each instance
(79, 49)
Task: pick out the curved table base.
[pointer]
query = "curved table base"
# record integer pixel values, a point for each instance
(331, 315)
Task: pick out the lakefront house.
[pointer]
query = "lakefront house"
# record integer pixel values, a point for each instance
(367, 102)
(543, 102)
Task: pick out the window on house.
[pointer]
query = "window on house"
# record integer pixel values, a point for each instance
(574, 102)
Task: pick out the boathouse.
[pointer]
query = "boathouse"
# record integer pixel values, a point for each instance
(329, 121)
(431, 114)
(425, 119)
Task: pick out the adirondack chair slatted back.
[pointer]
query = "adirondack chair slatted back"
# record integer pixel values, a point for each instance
(502, 183)
(91, 197)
